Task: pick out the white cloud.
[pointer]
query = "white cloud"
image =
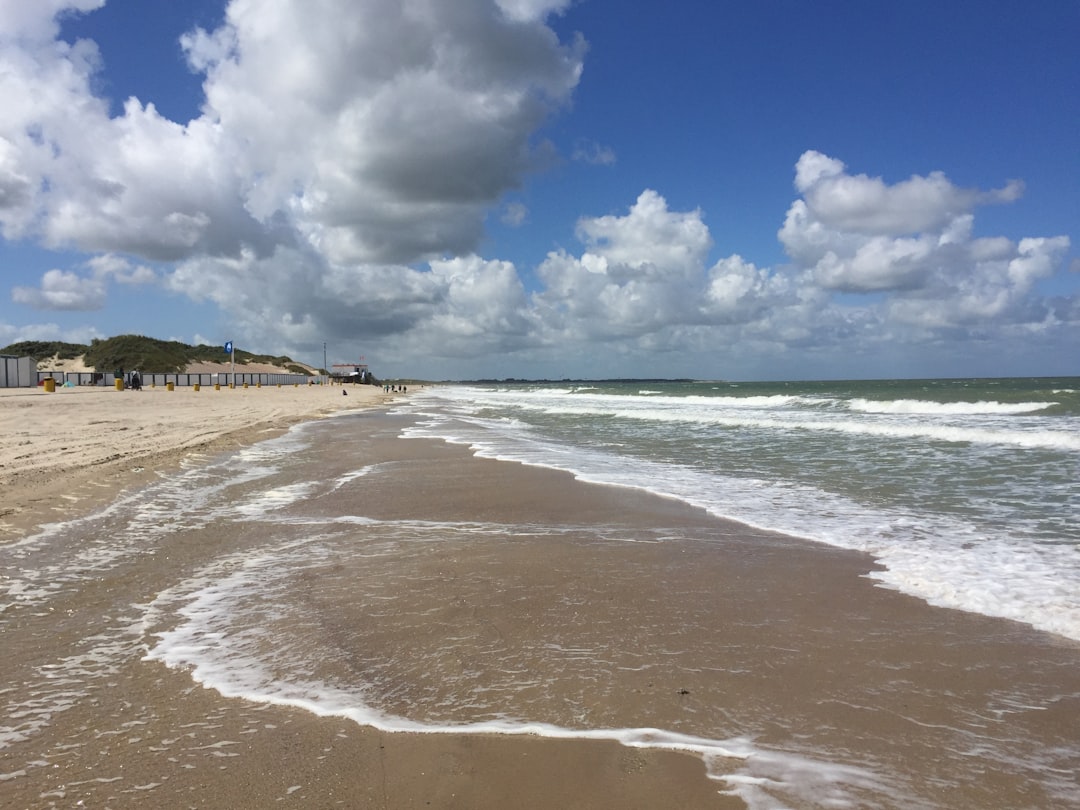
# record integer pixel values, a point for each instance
(36, 21)
(405, 121)
(867, 205)
(70, 290)
(64, 290)
(586, 151)
(879, 263)
(643, 277)
(982, 288)
(47, 331)
(372, 131)
(638, 273)
(651, 240)
(530, 10)
(643, 284)
(738, 291)
(855, 233)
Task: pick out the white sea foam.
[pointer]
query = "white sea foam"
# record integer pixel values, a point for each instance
(798, 412)
(918, 406)
(277, 498)
(224, 654)
(999, 566)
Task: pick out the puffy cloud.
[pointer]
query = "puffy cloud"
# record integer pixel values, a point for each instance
(639, 273)
(990, 281)
(644, 280)
(374, 131)
(37, 21)
(738, 291)
(482, 308)
(867, 205)
(643, 276)
(72, 176)
(69, 290)
(530, 10)
(405, 122)
(61, 289)
(47, 331)
(879, 263)
(857, 234)
(464, 306)
(651, 241)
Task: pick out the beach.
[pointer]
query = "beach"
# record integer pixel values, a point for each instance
(63, 451)
(82, 731)
(293, 605)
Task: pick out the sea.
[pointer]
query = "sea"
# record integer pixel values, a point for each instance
(968, 490)
(277, 575)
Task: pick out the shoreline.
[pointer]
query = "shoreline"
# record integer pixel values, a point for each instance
(236, 752)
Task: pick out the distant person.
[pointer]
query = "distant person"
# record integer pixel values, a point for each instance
(136, 381)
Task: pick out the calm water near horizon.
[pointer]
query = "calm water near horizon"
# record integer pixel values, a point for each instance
(346, 570)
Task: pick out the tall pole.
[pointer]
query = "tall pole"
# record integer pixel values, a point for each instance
(232, 360)
(325, 370)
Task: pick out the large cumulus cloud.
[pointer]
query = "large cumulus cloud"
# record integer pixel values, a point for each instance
(914, 239)
(378, 130)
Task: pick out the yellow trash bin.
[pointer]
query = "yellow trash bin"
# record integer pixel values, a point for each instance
(196, 386)
(169, 386)
(119, 383)
(217, 386)
(50, 384)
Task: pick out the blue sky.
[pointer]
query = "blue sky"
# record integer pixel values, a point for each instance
(767, 190)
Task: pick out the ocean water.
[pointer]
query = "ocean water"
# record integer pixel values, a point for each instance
(967, 491)
(343, 569)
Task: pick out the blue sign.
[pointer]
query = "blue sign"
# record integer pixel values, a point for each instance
(228, 347)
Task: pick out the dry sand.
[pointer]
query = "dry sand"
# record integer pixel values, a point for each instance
(68, 452)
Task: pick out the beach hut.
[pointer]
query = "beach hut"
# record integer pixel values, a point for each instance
(17, 372)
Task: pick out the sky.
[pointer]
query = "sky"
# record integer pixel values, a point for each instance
(462, 189)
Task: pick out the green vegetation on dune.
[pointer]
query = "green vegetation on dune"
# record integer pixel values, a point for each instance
(44, 349)
(144, 353)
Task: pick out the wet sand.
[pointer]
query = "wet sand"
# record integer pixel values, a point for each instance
(805, 647)
(141, 734)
